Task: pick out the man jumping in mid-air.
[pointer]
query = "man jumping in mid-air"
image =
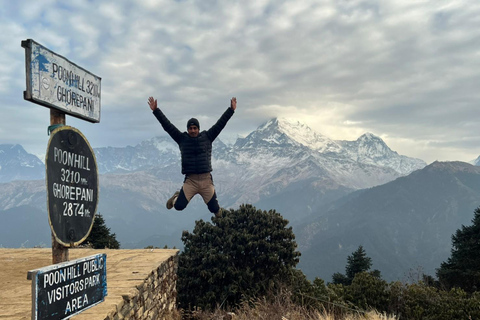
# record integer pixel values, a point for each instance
(196, 150)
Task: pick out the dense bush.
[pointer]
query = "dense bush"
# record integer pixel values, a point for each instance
(368, 292)
(246, 253)
(406, 301)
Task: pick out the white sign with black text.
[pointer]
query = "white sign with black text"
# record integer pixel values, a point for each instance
(55, 82)
(65, 289)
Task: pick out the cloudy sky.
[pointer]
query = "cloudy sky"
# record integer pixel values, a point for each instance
(407, 71)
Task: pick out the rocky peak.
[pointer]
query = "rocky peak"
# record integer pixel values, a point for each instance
(17, 164)
(476, 162)
(371, 146)
(286, 131)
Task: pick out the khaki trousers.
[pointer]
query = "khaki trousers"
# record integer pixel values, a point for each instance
(201, 184)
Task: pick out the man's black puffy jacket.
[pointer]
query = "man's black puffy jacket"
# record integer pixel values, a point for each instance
(196, 152)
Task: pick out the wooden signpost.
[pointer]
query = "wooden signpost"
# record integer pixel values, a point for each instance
(59, 84)
(65, 289)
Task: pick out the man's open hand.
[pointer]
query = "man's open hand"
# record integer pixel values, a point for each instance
(233, 103)
(152, 103)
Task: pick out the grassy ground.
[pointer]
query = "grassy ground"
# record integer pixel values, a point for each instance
(273, 314)
(282, 309)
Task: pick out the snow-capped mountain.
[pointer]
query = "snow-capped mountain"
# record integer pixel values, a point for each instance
(283, 165)
(286, 144)
(17, 164)
(289, 135)
(476, 162)
(287, 132)
(276, 144)
(280, 155)
(370, 149)
(156, 152)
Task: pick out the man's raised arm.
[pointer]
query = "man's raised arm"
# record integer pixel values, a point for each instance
(166, 124)
(215, 130)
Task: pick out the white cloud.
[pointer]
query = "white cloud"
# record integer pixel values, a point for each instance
(404, 70)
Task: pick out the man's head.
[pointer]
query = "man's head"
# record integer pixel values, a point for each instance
(193, 127)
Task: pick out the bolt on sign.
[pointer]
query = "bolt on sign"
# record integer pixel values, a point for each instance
(72, 185)
(63, 290)
(55, 82)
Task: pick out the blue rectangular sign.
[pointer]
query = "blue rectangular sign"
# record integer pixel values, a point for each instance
(63, 290)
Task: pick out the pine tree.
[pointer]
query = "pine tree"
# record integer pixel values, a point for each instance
(100, 236)
(462, 268)
(357, 262)
(245, 253)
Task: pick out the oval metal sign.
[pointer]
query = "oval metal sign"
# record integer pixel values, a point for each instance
(72, 185)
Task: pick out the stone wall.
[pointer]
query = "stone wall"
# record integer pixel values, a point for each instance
(155, 298)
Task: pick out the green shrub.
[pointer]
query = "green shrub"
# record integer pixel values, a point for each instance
(368, 292)
(246, 253)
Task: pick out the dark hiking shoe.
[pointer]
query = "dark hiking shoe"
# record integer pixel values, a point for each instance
(172, 200)
(219, 213)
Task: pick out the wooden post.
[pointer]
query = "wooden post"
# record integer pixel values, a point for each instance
(59, 252)
(56, 117)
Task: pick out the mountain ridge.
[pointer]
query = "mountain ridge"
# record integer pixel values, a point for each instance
(414, 216)
(17, 164)
(317, 189)
(274, 167)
